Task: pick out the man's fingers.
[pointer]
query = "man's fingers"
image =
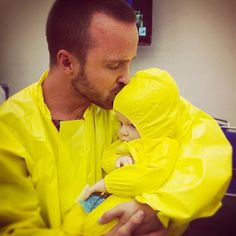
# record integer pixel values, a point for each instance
(134, 221)
(128, 228)
(110, 215)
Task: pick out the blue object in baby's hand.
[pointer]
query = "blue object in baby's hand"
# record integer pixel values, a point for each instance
(93, 201)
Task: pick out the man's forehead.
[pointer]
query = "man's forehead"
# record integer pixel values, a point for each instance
(101, 21)
(104, 25)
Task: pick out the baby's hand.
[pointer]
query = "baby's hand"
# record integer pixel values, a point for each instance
(86, 193)
(97, 187)
(123, 161)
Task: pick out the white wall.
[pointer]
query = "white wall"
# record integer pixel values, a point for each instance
(193, 40)
(23, 48)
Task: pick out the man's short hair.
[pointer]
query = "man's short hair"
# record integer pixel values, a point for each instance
(69, 20)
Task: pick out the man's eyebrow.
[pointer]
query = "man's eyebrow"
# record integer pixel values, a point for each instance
(119, 61)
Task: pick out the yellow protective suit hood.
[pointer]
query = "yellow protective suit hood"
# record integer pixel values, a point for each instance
(151, 103)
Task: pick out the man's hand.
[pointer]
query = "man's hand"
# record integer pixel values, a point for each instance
(134, 219)
(128, 228)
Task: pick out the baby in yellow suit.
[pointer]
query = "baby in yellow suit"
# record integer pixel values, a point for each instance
(166, 156)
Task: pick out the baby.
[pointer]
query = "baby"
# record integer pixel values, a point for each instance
(127, 133)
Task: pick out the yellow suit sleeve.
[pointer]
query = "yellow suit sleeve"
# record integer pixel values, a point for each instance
(200, 177)
(154, 162)
(110, 155)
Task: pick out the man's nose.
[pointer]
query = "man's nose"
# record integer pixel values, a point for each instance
(125, 78)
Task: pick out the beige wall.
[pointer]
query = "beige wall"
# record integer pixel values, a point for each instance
(22, 41)
(193, 40)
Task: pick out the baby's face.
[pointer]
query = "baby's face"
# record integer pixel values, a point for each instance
(127, 131)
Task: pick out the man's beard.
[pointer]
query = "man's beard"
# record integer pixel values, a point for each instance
(85, 88)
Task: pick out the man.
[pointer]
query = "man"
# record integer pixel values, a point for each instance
(53, 133)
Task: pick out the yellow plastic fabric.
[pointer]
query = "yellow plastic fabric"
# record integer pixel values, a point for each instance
(203, 160)
(42, 171)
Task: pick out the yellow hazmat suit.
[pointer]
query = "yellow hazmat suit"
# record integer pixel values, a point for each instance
(42, 171)
(202, 169)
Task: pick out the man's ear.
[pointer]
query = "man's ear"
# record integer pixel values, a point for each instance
(64, 60)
